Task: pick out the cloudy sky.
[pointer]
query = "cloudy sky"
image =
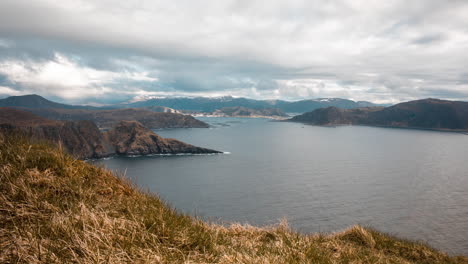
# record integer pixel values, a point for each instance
(104, 51)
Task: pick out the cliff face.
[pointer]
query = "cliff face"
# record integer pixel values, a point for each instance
(132, 138)
(424, 114)
(83, 139)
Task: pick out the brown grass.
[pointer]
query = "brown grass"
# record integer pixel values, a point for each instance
(56, 209)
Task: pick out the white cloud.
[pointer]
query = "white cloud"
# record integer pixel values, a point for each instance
(8, 91)
(64, 78)
(310, 48)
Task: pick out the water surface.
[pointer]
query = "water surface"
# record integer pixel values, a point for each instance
(410, 183)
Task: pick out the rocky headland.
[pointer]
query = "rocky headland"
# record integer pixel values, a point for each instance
(431, 114)
(83, 139)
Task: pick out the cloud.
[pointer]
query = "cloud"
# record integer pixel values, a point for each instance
(64, 78)
(115, 50)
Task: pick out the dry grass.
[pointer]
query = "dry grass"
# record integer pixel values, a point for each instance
(56, 209)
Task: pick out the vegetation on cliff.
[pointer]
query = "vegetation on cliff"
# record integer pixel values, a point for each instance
(56, 209)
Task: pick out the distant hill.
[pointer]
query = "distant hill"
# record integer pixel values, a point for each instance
(152, 116)
(336, 116)
(36, 101)
(240, 111)
(424, 114)
(83, 139)
(109, 118)
(22, 118)
(206, 104)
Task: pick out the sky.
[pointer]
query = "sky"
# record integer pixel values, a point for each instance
(108, 51)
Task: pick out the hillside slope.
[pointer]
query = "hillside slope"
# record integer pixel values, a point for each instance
(36, 101)
(108, 118)
(153, 117)
(56, 209)
(423, 114)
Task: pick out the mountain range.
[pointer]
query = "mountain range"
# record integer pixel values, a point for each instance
(206, 104)
(421, 114)
(198, 104)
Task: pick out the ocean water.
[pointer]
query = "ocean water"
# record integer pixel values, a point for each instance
(410, 183)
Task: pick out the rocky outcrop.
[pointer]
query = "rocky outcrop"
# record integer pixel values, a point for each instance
(422, 114)
(132, 138)
(83, 139)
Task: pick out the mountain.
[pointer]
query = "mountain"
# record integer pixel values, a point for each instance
(423, 114)
(240, 111)
(330, 116)
(206, 104)
(36, 101)
(108, 118)
(83, 139)
(152, 116)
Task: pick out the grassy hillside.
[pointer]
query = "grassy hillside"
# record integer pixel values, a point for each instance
(56, 209)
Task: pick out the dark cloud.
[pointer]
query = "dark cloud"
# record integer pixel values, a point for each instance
(106, 51)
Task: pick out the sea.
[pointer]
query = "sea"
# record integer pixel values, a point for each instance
(404, 182)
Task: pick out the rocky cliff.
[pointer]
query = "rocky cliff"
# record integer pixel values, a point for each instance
(83, 139)
(132, 138)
